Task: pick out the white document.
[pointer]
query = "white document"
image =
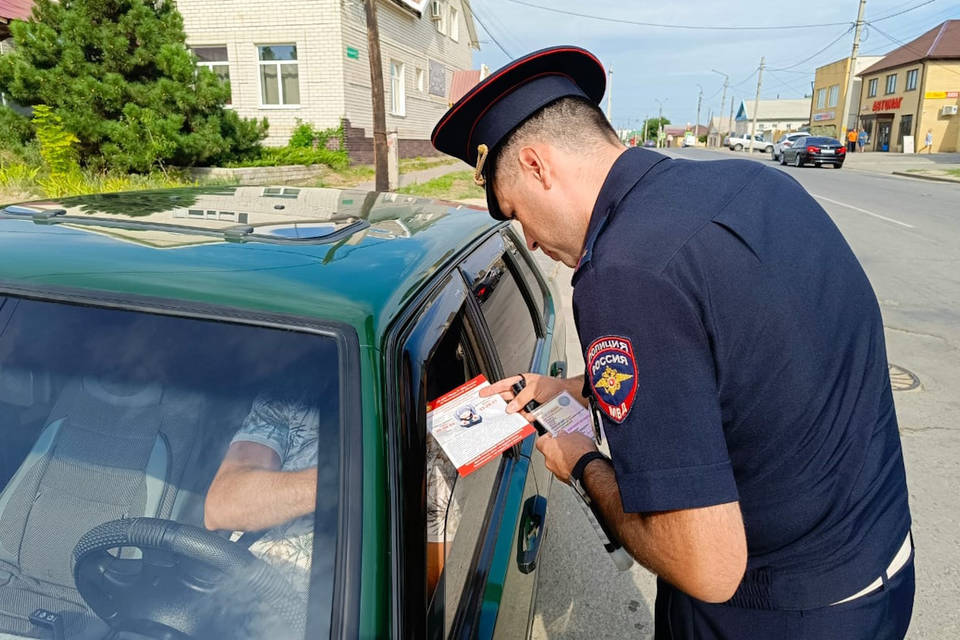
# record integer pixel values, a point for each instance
(563, 414)
(472, 430)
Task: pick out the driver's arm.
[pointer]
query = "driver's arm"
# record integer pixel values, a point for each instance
(250, 492)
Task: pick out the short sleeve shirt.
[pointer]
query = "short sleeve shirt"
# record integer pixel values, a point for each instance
(736, 350)
(289, 427)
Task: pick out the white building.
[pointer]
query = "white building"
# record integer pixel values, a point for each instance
(774, 117)
(307, 60)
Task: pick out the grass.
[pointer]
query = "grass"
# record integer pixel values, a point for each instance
(453, 186)
(954, 172)
(354, 175)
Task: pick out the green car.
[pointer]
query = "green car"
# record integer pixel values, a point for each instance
(213, 417)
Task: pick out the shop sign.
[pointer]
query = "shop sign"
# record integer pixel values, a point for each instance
(826, 115)
(888, 104)
(941, 95)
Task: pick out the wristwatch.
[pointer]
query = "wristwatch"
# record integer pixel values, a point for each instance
(576, 476)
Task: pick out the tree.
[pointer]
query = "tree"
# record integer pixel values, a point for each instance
(119, 76)
(653, 126)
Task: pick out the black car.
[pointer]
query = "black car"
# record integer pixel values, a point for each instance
(815, 149)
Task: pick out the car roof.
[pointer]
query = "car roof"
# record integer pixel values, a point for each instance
(329, 254)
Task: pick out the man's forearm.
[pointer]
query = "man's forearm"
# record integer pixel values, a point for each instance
(700, 553)
(250, 499)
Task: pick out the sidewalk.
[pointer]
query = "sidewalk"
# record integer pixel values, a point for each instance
(416, 177)
(933, 166)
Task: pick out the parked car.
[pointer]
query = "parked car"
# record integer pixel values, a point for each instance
(140, 331)
(738, 143)
(785, 142)
(814, 149)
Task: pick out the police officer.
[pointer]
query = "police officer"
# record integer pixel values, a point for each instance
(735, 350)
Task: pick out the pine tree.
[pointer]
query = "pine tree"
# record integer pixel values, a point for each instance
(119, 76)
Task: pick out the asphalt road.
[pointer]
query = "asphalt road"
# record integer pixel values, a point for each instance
(906, 234)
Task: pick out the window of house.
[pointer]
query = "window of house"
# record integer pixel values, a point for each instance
(421, 81)
(872, 87)
(834, 95)
(279, 75)
(821, 98)
(398, 98)
(281, 192)
(891, 83)
(441, 19)
(215, 59)
(911, 79)
(454, 24)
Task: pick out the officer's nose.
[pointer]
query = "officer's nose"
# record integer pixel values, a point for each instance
(532, 244)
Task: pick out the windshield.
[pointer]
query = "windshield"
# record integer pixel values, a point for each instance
(822, 141)
(162, 474)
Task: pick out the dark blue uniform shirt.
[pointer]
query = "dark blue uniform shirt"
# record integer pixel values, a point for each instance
(737, 351)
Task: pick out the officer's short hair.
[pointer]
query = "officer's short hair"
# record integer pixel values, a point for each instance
(572, 123)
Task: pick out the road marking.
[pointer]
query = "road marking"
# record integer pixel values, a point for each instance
(869, 213)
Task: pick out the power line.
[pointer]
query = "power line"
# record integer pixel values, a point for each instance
(920, 54)
(678, 26)
(805, 60)
(900, 13)
(492, 37)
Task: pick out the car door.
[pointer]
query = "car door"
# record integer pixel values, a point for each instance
(488, 580)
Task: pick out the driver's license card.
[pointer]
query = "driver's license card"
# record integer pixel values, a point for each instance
(563, 414)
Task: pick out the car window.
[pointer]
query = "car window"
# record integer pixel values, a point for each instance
(530, 281)
(456, 507)
(110, 415)
(507, 314)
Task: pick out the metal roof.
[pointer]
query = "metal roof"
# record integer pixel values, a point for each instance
(941, 42)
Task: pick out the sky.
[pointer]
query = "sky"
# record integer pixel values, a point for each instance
(671, 65)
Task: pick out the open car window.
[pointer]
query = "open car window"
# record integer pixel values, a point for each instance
(113, 424)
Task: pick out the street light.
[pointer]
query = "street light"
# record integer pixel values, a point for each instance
(696, 125)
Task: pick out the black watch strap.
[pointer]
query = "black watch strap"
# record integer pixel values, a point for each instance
(585, 459)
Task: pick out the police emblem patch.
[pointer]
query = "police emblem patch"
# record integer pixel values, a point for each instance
(613, 375)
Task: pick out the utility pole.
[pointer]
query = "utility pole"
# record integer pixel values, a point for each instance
(723, 100)
(643, 133)
(376, 85)
(730, 121)
(696, 125)
(848, 97)
(659, 123)
(609, 91)
(756, 103)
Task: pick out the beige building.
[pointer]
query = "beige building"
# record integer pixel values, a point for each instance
(774, 117)
(829, 94)
(914, 90)
(307, 60)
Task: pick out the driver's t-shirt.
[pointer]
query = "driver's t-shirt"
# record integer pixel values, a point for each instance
(290, 428)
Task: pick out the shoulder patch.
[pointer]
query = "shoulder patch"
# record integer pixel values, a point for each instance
(613, 375)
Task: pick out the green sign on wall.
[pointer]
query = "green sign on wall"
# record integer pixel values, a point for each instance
(353, 54)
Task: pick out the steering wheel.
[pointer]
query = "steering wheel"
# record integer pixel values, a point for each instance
(189, 583)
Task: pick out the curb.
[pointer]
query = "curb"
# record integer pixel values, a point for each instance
(923, 177)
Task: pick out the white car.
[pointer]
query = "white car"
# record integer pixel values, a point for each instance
(785, 142)
(759, 144)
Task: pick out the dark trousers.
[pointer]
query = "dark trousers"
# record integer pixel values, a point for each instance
(851, 146)
(882, 615)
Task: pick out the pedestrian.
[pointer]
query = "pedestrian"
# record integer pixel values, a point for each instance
(928, 141)
(852, 140)
(861, 138)
(734, 355)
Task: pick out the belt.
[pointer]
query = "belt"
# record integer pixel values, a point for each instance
(899, 561)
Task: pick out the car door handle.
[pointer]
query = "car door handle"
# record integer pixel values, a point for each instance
(558, 369)
(533, 524)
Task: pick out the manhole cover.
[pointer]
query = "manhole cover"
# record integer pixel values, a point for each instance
(901, 379)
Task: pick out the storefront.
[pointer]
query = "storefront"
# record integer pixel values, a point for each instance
(907, 96)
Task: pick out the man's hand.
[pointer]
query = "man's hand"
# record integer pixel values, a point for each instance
(561, 453)
(539, 388)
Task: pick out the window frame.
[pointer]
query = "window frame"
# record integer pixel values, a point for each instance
(911, 82)
(278, 65)
(821, 97)
(890, 84)
(454, 23)
(345, 608)
(834, 97)
(872, 86)
(398, 89)
(213, 64)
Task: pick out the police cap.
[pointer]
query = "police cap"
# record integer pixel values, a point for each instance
(482, 119)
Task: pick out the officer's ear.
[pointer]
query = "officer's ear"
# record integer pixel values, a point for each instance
(534, 163)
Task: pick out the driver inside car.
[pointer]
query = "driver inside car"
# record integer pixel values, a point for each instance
(266, 486)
